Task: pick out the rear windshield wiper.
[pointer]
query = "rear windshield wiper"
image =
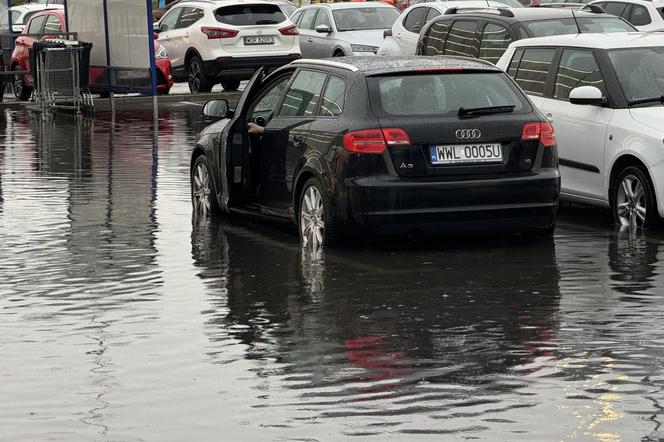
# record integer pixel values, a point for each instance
(647, 100)
(266, 22)
(485, 110)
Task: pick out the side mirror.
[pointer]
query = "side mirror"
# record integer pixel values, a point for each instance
(586, 95)
(216, 109)
(323, 29)
(155, 28)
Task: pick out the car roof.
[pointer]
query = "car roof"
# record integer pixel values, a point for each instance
(636, 2)
(353, 5)
(600, 41)
(387, 65)
(521, 14)
(36, 7)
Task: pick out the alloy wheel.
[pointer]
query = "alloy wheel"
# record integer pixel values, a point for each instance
(18, 86)
(201, 189)
(312, 218)
(194, 76)
(631, 202)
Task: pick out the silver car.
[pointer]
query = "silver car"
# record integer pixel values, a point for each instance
(343, 29)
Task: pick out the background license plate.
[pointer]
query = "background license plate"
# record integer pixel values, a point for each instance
(466, 153)
(259, 40)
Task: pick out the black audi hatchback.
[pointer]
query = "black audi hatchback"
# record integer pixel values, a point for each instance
(380, 145)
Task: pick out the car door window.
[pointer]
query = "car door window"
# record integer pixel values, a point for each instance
(334, 98)
(189, 16)
(303, 95)
(639, 16)
(267, 101)
(495, 40)
(36, 25)
(52, 25)
(461, 39)
(433, 12)
(578, 67)
(308, 18)
(533, 70)
(169, 21)
(322, 19)
(296, 17)
(434, 43)
(415, 19)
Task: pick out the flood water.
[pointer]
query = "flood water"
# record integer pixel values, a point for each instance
(121, 319)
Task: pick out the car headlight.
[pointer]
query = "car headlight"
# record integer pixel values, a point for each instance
(161, 53)
(364, 48)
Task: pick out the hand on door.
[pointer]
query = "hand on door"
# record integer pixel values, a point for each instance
(254, 128)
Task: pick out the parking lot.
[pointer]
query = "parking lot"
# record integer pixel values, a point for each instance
(124, 318)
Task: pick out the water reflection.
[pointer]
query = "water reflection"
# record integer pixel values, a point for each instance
(414, 328)
(123, 319)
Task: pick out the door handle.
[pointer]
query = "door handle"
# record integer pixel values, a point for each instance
(550, 118)
(298, 140)
(310, 40)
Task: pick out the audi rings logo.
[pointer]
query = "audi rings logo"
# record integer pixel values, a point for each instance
(468, 134)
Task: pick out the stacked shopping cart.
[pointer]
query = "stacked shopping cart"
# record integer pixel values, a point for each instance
(60, 70)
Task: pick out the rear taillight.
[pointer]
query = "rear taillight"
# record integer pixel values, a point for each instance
(375, 140)
(387, 33)
(539, 131)
(289, 30)
(218, 32)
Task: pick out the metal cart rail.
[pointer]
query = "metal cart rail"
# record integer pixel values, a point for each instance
(57, 77)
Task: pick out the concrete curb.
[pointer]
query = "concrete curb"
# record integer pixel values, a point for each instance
(124, 102)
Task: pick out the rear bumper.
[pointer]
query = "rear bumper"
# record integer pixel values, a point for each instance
(244, 67)
(391, 204)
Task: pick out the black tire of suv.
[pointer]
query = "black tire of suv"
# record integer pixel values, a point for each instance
(329, 234)
(23, 91)
(230, 85)
(206, 186)
(196, 78)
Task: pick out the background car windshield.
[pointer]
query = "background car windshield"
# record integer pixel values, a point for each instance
(640, 72)
(249, 15)
(545, 28)
(357, 19)
(440, 94)
(604, 24)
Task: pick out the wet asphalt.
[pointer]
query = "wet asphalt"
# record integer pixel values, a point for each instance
(123, 318)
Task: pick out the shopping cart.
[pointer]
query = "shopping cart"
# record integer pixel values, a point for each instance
(60, 71)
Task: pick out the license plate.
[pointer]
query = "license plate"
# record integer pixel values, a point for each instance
(466, 153)
(259, 40)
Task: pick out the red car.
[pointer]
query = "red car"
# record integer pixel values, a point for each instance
(53, 21)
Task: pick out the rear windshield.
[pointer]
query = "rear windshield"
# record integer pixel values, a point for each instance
(443, 93)
(561, 26)
(357, 19)
(604, 24)
(249, 15)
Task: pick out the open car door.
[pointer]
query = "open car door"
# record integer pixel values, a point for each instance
(234, 145)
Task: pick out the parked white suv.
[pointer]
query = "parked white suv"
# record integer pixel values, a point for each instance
(212, 42)
(604, 95)
(645, 16)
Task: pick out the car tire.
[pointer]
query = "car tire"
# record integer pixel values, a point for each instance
(163, 91)
(22, 91)
(314, 216)
(196, 78)
(633, 198)
(230, 85)
(203, 191)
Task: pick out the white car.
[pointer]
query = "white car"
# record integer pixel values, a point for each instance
(644, 15)
(343, 29)
(21, 14)
(225, 42)
(604, 95)
(402, 38)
